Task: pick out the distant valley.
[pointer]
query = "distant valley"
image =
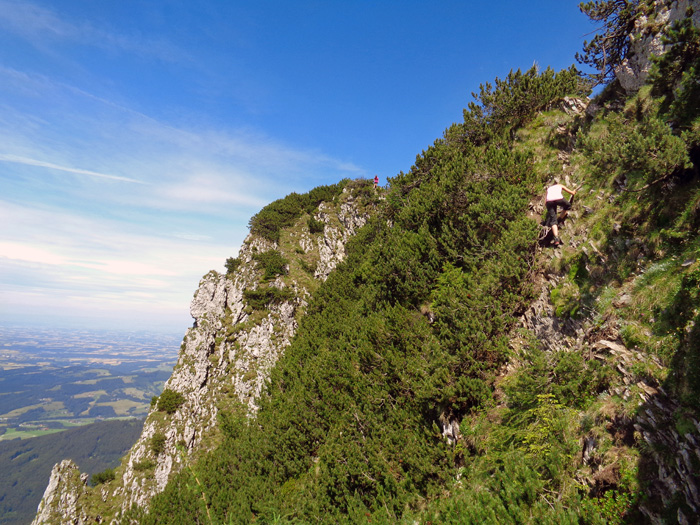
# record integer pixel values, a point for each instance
(51, 380)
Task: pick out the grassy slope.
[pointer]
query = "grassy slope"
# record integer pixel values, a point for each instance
(628, 274)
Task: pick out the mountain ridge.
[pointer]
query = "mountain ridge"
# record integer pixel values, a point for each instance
(450, 369)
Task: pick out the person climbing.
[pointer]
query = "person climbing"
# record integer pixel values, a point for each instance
(554, 199)
(376, 181)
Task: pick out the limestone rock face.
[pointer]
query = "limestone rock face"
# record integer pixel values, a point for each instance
(61, 501)
(331, 245)
(227, 355)
(225, 359)
(646, 41)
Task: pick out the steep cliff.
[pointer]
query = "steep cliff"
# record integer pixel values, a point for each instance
(457, 368)
(60, 504)
(225, 357)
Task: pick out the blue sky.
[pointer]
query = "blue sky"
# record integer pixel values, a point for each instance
(137, 138)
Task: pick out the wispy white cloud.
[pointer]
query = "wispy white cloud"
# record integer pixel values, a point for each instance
(29, 253)
(41, 26)
(153, 202)
(203, 188)
(32, 21)
(61, 262)
(5, 157)
(252, 150)
(62, 237)
(249, 152)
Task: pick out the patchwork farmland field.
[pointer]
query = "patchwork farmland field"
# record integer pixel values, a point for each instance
(51, 380)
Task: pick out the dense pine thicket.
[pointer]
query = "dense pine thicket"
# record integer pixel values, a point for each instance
(406, 333)
(282, 213)
(409, 332)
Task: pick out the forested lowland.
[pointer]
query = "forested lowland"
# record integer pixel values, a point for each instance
(26, 464)
(455, 367)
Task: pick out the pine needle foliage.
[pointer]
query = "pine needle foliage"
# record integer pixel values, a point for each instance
(232, 264)
(348, 429)
(643, 149)
(102, 477)
(262, 298)
(282, 213)
(272, 263)
(509, 103)
(169, 401)
(676, 74)
(611, 43)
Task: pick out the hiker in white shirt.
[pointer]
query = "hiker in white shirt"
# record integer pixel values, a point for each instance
(555, 198)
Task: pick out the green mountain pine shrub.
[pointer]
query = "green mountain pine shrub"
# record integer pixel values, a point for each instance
(315, 226)
(348, 428)
(272, 264)
(103, 477)
(676, 74)
(262, 298)
(169, 401)
(509, 103)
(158, 443)
(643, 149)
(414, 327)
(283, 212)
(232, 264)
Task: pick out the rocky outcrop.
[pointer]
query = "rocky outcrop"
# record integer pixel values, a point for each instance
(646, 40)
(224, 361)
(227, 355)
(672, 440)
(340, 225)
(62, 499)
